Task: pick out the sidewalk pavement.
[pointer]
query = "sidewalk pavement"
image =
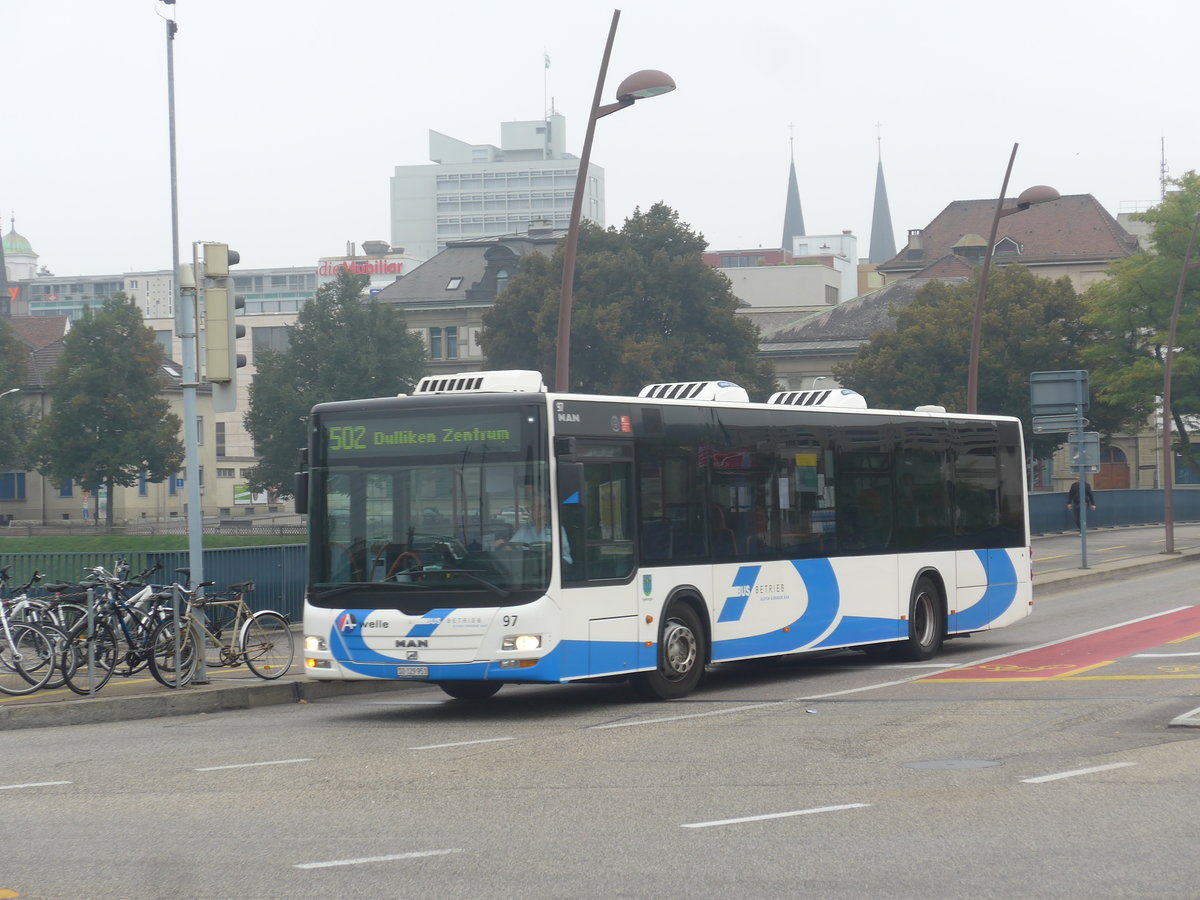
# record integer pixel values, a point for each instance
(1056, 567)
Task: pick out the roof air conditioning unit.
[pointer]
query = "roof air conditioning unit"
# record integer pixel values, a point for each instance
(830, 398)
(510, 381)
(697, 390)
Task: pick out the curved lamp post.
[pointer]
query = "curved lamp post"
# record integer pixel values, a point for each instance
(638, 86)
(1029, 197)
(1168, 469)
(10, 391)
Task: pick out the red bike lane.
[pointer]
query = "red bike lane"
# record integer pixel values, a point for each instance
(1082, 654)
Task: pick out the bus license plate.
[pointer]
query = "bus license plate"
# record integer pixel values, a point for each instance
(412, 671)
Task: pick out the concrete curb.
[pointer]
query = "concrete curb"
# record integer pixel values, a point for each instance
(1059, 581)
(184, 702)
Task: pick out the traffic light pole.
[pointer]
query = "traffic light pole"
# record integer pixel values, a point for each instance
(185, 328)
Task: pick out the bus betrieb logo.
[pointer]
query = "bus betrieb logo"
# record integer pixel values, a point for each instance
(347, 622)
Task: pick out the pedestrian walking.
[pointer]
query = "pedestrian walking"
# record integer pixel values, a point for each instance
(1073, 499)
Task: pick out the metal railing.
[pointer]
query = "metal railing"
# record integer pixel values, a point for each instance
(279, 571)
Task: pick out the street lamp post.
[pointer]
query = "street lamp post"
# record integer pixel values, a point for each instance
(1030, 196)
(639, 85)
(1168, 356)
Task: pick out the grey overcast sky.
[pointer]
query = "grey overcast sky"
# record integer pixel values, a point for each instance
(291, 116)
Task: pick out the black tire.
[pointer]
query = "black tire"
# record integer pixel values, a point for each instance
(926, 623)
(470, 690)
(26, 659)
(58, 637)
(162, 653)
(682, 653)
(267, 644)
(100, 650)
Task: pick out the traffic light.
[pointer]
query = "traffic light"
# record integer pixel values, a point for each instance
(221, 331)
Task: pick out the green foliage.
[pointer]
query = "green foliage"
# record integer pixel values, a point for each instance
(15, 420)
(108, 421)
(344, 346)
(1030, 324)
(645, 309)
(1131, 312)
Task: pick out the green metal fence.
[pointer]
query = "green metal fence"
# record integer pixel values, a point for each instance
(278, 572)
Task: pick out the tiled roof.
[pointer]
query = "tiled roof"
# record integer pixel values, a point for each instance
(1072, 228)
(848, 323)
(39, 331)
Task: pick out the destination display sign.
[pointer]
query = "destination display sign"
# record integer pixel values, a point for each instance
(412, 434)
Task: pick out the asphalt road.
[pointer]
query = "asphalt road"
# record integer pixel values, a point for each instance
(1038, 760)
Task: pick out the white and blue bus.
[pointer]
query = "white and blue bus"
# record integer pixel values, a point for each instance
(484, 531)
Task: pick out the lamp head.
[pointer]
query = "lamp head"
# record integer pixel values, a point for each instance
(1039, 193)
(646, 83)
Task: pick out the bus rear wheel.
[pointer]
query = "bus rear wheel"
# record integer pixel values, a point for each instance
(470, 690)
(926, 623)
(681, 656)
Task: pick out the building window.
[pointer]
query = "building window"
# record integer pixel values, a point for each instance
(142, 484)
(220, 439)
(274, 339)
(501, 281)
(12, 486)
(443, 343)
(225, 473)
(454, 283)
(67, 488)
(199, 431)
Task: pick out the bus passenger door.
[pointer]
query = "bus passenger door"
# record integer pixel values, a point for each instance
(595, 502)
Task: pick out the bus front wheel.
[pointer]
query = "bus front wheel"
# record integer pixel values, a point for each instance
(681, 656)
(470, 690)
(926, 622)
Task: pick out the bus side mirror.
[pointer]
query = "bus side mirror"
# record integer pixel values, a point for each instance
(301, 492)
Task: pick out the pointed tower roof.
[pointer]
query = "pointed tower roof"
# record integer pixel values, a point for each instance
(883, 237)
(793, 216)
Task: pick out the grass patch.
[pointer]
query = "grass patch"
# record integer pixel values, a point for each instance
(119, 543)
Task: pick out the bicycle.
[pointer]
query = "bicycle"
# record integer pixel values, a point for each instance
(40, 613)
(27, 653)
(118, 637)
(263, 640)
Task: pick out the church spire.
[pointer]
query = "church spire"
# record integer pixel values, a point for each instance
(793, 216)
(883, 238)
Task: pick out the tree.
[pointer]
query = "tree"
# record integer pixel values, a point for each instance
(15, 421)
(1030, 324)
(344, 345)
(1131, 312)
(109, 423)
(645, 309)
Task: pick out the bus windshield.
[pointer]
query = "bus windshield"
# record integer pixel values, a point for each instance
(426, 503)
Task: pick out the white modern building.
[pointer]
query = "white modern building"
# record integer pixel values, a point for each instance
(473, 191)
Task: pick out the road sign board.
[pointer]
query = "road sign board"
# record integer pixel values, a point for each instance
(1052, 393)
(1084, 450)
(1048, 424)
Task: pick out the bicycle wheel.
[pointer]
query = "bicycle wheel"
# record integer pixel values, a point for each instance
(89, 662)
(58, 641)
(173, 664)
(26, 660)
(267, 644)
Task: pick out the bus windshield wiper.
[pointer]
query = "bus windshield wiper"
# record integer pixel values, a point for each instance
(372, 586)
(494, 588)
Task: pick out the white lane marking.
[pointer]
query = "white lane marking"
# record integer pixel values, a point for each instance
(719, 712)
(13, 787)
(782, 815)
(1190, 719)
(462, 743)
(1043, 778)
(404, 703)
(273, 762)
(370, 859)
(1161, 655)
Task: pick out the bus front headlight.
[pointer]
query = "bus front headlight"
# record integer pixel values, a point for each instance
(315, 642)
(522, 642)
